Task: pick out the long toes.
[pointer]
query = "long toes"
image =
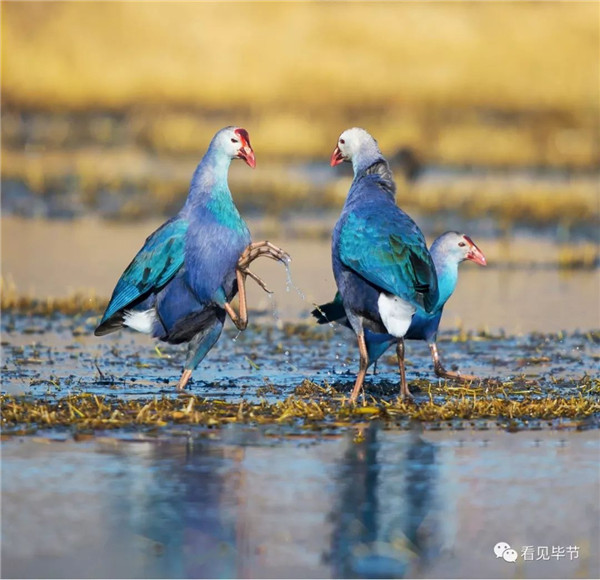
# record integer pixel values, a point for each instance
(269, 251)
(267, 244)
(455, 376)
(464, 378)
(276, 254)
(259, 281)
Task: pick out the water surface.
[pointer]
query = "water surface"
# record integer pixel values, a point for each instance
(521, 291)
(242, 502)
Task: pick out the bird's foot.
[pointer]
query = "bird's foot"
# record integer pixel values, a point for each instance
(255, 251)
(458, 377)
(354, 397)
(257, 279)
(407, 397)
(258, 249)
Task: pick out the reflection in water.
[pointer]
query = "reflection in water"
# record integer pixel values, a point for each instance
(208, 542)
(192, 523)
(246, 502)
(383, 521)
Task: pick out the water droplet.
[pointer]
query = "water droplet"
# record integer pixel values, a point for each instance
(274, 308)
(290, 283)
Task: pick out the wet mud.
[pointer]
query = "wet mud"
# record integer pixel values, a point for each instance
(280, 370)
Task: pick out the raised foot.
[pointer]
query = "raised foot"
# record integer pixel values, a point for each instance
(258, 249)
(255, 251)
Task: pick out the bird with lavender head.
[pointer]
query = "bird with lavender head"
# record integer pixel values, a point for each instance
(180, 285)
(447, 252)
(381, 264)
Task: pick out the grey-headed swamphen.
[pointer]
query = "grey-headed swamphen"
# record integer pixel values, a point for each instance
(381, 264)
(447, 251)
(180, 285)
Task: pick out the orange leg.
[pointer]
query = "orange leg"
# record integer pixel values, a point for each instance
(241, 320)
(404, 391)
(183, 381)
(362, 370)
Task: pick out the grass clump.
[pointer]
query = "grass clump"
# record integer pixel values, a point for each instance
(323, 408)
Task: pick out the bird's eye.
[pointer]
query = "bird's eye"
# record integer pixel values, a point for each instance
(234, 140)
(342, 142)
(462, 244)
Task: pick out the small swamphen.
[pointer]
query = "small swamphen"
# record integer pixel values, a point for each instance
(179, 286)
(447, 251)
(381, 264)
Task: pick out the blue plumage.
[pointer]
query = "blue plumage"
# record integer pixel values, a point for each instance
(447, 252)
(381, 264)
(154, 265)
(178, 286)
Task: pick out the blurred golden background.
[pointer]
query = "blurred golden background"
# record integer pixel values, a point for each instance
(474, 82)
(488, 111)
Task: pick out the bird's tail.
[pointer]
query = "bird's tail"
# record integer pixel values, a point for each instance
(112, 324)
(330, 312)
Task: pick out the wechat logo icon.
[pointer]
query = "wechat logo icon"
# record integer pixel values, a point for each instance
(503, 550)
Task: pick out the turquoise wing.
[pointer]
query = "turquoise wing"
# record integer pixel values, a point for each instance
(389, 250)
(154, 265)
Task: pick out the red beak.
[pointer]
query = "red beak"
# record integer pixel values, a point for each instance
(476, 255)
(247, 154)
(336, 157)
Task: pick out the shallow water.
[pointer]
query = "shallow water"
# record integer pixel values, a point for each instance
(520, 291)
(243, 503)
(270, 501)
(57, 355)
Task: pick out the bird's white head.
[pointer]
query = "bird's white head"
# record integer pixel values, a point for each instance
(235, 142)
(353, 144)
(459, 247)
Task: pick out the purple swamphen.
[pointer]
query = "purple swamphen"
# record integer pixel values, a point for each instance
(447, 251)
(180, 285)
(381, 264)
